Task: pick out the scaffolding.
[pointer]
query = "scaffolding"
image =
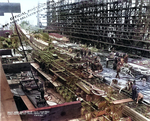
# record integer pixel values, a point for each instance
(123, 24)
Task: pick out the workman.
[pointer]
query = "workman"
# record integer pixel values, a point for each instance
(119, 64)
(125, 58)
(136, 95)
(71, 60)
(129, 85)
(89, 52)
(77, 54)
(134, 91)
(90, 73)
(139, 97)
(97, 59)
(111, 55)
(82, 75)
(84, 52)
(42, 93)
(81, 52)
(110, 58)
(115, 63)
(99, 67)
(114, 81)
(92, 66)
(144, 81)
(80, 68)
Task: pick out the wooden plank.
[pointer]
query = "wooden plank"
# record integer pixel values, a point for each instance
(135, 116)
(36, 66)
(58, 75)
(84, 87)
(27, 102)
(59, 71)
(122, 101)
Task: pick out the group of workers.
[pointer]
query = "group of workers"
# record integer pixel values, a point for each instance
(85, 52)
(93, 64)
(119, 61)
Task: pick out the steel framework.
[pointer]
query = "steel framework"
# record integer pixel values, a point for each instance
(123, 24)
